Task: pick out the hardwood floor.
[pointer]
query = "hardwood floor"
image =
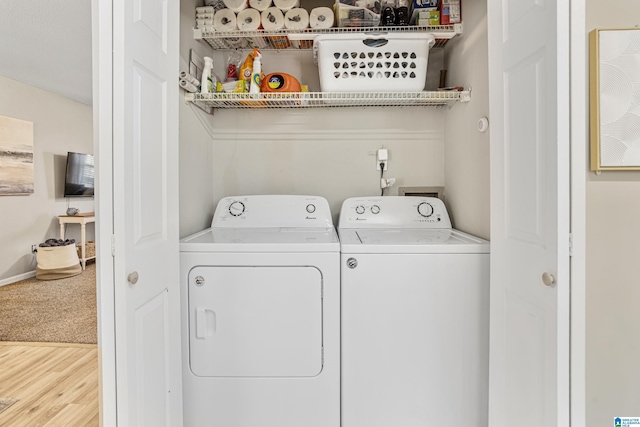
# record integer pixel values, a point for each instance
(56, 384)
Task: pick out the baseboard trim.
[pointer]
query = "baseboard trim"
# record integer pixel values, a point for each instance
(14, 279)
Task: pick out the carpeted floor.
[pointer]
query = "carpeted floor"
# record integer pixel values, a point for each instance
(62, 310)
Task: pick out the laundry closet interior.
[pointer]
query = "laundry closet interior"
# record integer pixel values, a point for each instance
(331, 151)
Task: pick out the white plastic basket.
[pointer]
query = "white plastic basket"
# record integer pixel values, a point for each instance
(376, 62)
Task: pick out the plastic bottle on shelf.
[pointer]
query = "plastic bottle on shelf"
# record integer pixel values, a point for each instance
(207, 84)
(256, 75)
(402, 12)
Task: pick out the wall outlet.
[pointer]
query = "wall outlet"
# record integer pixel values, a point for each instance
(382, 158)
(34, 248)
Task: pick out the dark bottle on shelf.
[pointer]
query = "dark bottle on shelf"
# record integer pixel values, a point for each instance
(387, 18)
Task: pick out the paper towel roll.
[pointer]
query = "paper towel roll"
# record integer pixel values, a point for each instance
(249, 20)
(189, 78)
(321, 17)
(236, 5)
(188, 86)
(296, 19)
(285, 5)
(272, 19)
(225, 20)
(260, 5)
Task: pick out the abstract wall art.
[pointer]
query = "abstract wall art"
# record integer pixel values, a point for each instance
(16, 156)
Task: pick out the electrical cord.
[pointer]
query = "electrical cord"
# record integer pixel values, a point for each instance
(381, 176)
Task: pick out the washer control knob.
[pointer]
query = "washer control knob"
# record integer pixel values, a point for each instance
(359, 209)
(425, 209)
(199, 280)
(311, 208)
(352, 263)
(375, 209)
(236, 208)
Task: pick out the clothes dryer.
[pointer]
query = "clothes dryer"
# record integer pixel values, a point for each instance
(415, 314)
(261, 315)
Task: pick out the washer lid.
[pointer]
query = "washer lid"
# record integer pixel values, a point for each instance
(272, 239)
(404, 240)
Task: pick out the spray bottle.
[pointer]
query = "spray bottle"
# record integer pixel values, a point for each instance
(207, 85)
(256, 75)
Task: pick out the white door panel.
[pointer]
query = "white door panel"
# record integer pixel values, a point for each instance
(145, 171)
(528, 64)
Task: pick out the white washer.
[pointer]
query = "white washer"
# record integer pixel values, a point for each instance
(261, 315)
(415, 300)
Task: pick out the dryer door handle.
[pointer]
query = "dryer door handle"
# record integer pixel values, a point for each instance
(205, 322)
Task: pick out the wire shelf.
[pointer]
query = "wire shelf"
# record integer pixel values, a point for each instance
(303, 39)
(328, 99)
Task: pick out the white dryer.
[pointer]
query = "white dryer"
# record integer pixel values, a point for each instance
(261, 315)
(415, 314)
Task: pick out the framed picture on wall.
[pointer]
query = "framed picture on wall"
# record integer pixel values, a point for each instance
(615, 99)
(16, 156)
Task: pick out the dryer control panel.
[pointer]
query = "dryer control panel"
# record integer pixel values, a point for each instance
(394, 212)
(272, 212)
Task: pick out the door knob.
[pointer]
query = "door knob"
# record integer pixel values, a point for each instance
(133, 278)
(548, 279)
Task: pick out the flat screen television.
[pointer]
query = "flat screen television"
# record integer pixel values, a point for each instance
(78, 178)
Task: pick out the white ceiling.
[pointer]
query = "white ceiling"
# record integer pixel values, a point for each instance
(47, 44)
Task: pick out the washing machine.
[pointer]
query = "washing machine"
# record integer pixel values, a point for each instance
(415, 314)
(261, 315)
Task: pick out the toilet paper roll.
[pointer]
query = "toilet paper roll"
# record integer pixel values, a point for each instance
(321, 17)
(204, 15)
(260, 5)
(248, 20)
(225, 20)
(236, 5)
(296, 19)
(189, 78)
(285, 5)
(205, 9)
(272, 19)
(201, 23)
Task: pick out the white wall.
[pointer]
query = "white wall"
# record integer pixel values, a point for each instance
(326, 152)
(60, 125)
(466, 149)
(613, 291)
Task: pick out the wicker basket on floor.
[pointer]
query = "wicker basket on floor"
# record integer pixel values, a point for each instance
(90, 249)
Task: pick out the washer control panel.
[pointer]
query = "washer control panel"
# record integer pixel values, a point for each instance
(394, 212)
(272, 211)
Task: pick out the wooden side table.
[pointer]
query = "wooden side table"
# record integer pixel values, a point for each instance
(83, 219)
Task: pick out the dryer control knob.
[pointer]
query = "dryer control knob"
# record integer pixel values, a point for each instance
(359, 209)
(236, 208)
(425, 209)
(311, 208)
(375, 209)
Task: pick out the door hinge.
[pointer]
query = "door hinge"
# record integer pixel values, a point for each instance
(113, 245)
(570, 244)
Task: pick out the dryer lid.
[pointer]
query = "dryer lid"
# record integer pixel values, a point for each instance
(282, 239)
